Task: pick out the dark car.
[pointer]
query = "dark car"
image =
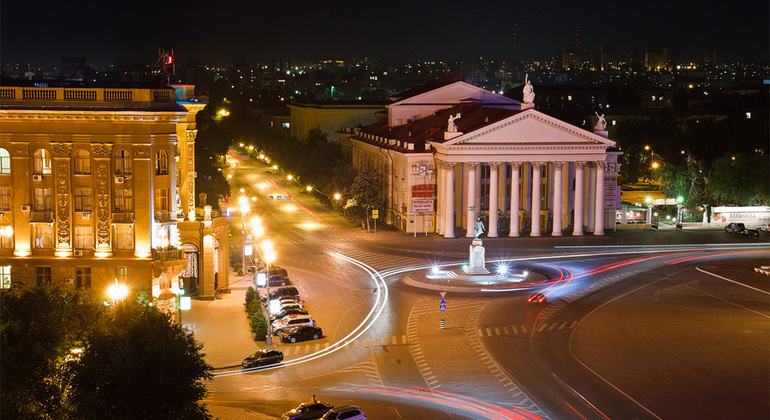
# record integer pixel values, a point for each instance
(751, 233)
(289, 291)
(735, 227)
(538, 298)
(288, 311)
(277, 271)
(302, 333)
(277, 281)
(263, 358)
(307, 410)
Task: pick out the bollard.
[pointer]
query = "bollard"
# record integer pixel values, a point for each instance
(443, 324)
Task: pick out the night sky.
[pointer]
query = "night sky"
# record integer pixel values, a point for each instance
(213, 32)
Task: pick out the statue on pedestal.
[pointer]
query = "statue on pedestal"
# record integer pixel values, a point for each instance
(451, 126)
(601, 124)
(478, 228)
(528, 91)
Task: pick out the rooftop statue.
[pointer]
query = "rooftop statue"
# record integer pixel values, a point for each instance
(451, 126)
(601, 125)
(529, 92)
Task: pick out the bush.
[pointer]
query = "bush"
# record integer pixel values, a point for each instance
(255, 314)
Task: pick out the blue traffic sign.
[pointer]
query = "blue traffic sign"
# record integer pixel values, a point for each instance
(442, 307)
(443, 301)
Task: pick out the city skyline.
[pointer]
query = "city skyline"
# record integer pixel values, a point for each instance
(209, 33)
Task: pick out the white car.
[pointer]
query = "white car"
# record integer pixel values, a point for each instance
(292, 321)
(764, 227)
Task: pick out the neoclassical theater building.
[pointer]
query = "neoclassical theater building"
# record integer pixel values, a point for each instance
(98, 186)
(457, 153)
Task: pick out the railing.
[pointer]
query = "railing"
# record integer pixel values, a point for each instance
(7, 93)
(39, 93)
(118, 95)
(123, 217)
(165, 216)
(167, 255)
(162, 95)
(41, 216)
(79, 95)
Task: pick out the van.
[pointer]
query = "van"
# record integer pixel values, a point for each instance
(735, 227)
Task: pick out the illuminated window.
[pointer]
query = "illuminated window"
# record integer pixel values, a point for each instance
(43, 237)
(42, 161)
(124, 237)
(161, 163)
(5, 199)
(83, 277)
(161, 200)
(43, 199)
(6, 242)
(83, 200)
(82, 162)
(84, 237)
(42, 275)
(123, 201)
(121, 273)
(5, 162)
(5, 276)
(122, 162)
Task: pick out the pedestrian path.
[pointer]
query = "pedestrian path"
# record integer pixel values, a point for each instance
(382, 261)
(521, 329)
(360, 343)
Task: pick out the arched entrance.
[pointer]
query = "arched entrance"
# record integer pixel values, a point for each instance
(190, 276)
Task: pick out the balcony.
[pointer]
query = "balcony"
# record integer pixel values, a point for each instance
(41, 216)
(167, 255)
(165, 217)
(123, 217)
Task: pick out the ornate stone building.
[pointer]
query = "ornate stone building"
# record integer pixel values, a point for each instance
(457, 153)
(95, 185)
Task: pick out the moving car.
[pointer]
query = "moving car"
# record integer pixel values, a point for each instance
(307, 411)
(734, 227)
(290, 321)
(306, 332)
(751, 233)
(538, 298)
(345, 412)
(263, 358)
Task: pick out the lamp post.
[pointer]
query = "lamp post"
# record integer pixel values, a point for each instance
(244, 203)
(117, 292)
(269, 255)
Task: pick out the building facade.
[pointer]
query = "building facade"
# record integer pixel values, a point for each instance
(94, 187)
(458, 153)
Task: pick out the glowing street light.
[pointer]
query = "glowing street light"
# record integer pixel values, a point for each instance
(289, 177)
(337, 196)
(117, 292)
(309, 188)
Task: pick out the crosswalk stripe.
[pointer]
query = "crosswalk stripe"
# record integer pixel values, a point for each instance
(497, 331)
(573, 324)
(542, 327)
(481, 333)
(553, 325)
(374, 342)
(355, 344)
(366, 343)
(523, 329)
(505, 330)
(489, 332)
(513, 328)
(562, 325)
(317, 347)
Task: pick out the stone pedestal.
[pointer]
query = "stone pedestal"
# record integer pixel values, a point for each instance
(476, 260)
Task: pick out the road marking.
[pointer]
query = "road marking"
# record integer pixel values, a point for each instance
(523, 329)
(355, 344)
(374, 342)
(481, 333)
(542, 327)
(505, 330)
(731, 281)
(553, 325)
(403, 339)
(489, 332)
(513, 328)
(574, 323)
(562, 325)
(317, 347)
(497, 331)
(366, 343)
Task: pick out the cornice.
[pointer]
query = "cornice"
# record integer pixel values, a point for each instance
(123, 116)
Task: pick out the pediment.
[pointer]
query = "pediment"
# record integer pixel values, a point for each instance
(454, 93)
(530, 127)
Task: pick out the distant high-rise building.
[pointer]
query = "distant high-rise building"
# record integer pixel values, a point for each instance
(609, 57)
(710, 57)
(73, 68)
(570, 58)
(656, 59)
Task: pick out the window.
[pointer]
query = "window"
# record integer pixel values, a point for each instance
(124, 237)
(5, 199)
(84, 237)
(42, 162)
(5, 162)
(161, 163)
(161, 200)
(43, 237)
(123, 201)
(5, 276)
(6, 242)
(121, 273)
(82, 162)
(43, 199)
(83, 277)
(42, 275)
(122, 162)
(83, 200)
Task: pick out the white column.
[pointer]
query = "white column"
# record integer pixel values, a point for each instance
(471, 214)
(449, 203)
(536, 166)
(599, 226)
(502, 176)
(590, 197)
(557, 166)
(493, 179)
(515, 204)
(579, 179)
(440, 191)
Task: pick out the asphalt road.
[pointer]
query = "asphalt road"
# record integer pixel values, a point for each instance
(645, 327)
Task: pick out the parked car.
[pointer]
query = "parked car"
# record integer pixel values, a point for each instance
(283, 313)
(287, 301)
(537, 298)
(751, 233)
(345, 412)
(289, 291)
(277, 271)
(278, 281)
(307, 411)
(263, 358)
(305, 332)
(764, 227)
(290, 321)
(735, 227)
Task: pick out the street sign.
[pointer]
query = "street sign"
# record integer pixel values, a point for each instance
(442, 307)
(425, 190)
(442, 294)
(422, 205)
(375, 214)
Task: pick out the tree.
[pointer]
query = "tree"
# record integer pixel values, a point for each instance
(39, 326)
(138, 364)
(685, 181)
(365, 192)
(741, 180)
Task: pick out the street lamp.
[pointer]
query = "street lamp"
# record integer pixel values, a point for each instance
(269, 256)
(337, 196)
(244, 203)
(309, 188)
(117, 292)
